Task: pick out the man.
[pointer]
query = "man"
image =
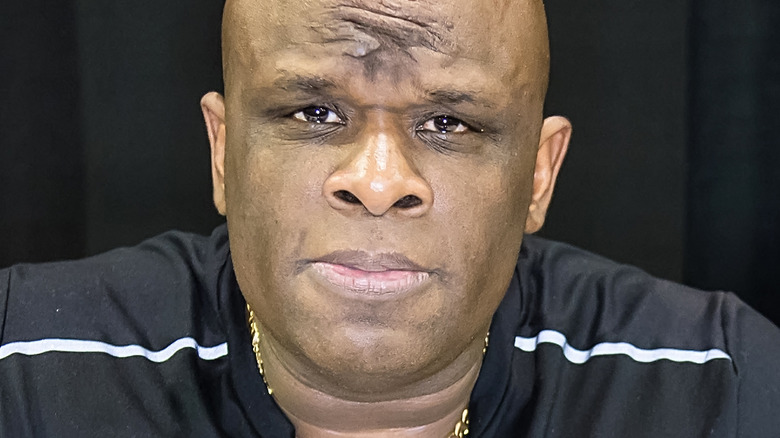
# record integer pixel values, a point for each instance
(378, 164)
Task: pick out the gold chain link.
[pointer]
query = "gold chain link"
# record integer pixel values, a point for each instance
(462, 426)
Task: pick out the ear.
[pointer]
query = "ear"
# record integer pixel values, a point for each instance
(213, 106)
(554, 141)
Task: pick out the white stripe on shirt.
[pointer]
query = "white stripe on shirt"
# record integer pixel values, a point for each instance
(576, 356)
(32, 348)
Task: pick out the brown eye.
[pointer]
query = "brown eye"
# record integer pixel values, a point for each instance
(317, 114)
(444, 125)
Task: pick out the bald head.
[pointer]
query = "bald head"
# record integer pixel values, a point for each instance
(512, 35)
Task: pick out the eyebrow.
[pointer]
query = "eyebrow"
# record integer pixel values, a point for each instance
(315, 84)
(452, 97)
(309, 84)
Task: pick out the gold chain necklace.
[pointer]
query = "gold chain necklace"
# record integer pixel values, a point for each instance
(461, 427)
(255, 332)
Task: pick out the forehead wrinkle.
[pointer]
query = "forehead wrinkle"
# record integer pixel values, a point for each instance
(389, 24)
(378, 32)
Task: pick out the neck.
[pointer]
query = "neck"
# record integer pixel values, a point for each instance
(411, 412)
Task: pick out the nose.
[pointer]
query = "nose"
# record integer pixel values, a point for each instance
(379, 179)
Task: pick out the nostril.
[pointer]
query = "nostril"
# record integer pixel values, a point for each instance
(408, 201)
(347, 197)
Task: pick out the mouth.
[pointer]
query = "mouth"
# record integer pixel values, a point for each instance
(370, 274)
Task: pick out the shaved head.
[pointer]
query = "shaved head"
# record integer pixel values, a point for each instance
(376, 31)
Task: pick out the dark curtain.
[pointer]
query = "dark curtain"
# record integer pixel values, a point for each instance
(41, 149)
(673, 165)
(618, 71)
(733, 223)
(144, 65)
(102, 139)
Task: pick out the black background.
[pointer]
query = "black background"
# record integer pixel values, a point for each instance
(674, 165)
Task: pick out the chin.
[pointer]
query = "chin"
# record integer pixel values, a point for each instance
(369, 360)
(371, 347)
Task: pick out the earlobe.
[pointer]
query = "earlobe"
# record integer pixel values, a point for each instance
(213, 106)
(553, 144)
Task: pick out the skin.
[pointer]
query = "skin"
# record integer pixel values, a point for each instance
(329, 138)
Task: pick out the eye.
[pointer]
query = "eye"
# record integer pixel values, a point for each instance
(317, 114)
(444, 124)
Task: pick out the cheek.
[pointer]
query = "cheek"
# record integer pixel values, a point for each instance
(483, 202)
(269, 206)
(269, 184)
(483, 211)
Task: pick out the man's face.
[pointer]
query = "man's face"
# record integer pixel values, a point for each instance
(379, 165)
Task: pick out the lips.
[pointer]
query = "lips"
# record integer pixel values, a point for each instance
(370, 274)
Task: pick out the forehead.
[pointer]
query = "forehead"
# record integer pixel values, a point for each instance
(497, 39)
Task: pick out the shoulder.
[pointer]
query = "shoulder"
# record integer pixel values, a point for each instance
(596, 299)
(566, 264)
(671, 341)
(148, 283)
(164, 257)
(568, 287)
(129, 339)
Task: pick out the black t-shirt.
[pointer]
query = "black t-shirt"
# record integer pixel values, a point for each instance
(153, 341)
